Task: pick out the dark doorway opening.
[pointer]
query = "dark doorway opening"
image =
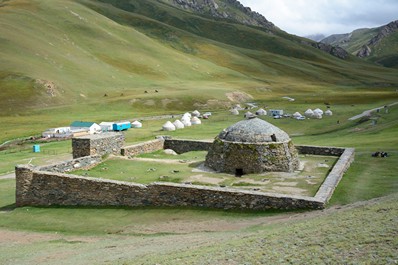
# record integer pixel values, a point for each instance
(239, 172)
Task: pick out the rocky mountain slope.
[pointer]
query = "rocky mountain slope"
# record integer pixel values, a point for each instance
(228, 9)
(379, 45)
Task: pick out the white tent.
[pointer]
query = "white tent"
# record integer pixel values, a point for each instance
(187, 114)
(195, 113)
(234, 112)
(136, 124)
(178, 124)
(261, 112)
(318, 111)
(248, 115)
(186, 121)
(238, 107)
(196, 121)
(317, 115)
(168, 126)
(297, 114)
(309, 113)
(328, 112)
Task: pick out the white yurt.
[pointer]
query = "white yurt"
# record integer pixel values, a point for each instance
(178, 124)
(186, 121)
(238, 107)
(309, 113)
(297, 114)
(248, 115)
(168, 126)
(318, 111)
(328, 112)
(196, 121)
(261, 112)
(195, 113)
(136, 124)
(317, 115)
(187, 114)
(234, 112)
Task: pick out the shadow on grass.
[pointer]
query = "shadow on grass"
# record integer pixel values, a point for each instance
(8, 208)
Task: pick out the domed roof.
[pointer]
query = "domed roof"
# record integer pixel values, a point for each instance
(253, 131)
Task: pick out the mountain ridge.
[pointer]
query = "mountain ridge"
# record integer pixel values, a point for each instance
(375, 44)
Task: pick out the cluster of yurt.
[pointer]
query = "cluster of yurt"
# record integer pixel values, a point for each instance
(188, 119)
(317, 113)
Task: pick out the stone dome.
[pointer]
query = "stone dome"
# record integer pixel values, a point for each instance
(253, 131)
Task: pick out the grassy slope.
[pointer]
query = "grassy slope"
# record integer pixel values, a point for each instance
(95, 49)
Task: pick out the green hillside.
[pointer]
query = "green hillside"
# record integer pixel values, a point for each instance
(63, 60)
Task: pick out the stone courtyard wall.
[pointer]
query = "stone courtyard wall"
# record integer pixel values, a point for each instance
(97, 144)
(78, 163)
(41, 188)
(143, 148)
(184, 146)
(45, 186)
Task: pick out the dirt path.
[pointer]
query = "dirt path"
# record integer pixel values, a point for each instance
(8, 176)
(367, 112)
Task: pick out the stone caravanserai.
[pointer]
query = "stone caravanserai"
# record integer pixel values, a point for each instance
(252, 146)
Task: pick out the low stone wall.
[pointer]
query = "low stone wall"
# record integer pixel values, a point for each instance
(48, 188)
(327, 188)
(143, 148)
(184, 146)
(78, 163)
(320, 150)
(97, 144)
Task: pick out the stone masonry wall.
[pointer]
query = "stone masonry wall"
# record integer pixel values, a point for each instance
(327, 188)
(40, 187)
(143, 148)
(184, 146)
(97, 144)
(48, 188)
(78, 163)
(320, 150)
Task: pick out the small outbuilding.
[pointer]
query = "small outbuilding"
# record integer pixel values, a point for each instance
(276, 112)
(252, 146)
(91, 127)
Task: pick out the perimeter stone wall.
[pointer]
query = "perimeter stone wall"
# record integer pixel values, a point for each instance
(97, 144)
(44, 186)
(40, 188)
